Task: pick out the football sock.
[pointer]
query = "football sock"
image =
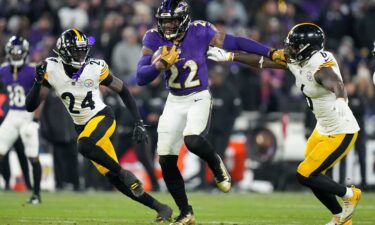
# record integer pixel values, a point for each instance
(349, 193)
(145, 199)
(323, 183)
(5, 170)
(174, 180)
(93, 152)
(329, 200)
(202, 148)
(37, 176)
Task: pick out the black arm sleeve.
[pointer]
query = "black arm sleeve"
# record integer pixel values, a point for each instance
(32, 98)
(129, 101)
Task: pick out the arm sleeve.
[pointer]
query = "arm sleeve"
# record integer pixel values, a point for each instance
(243, 44)
(32, 98)
(146, 72)
(129, 101)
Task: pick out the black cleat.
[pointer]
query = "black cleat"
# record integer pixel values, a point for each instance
(131, 181)
(164, 214)
(34, 200)
(185, 218)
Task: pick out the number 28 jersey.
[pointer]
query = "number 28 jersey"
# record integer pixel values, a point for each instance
(320, 100)
(81, 97)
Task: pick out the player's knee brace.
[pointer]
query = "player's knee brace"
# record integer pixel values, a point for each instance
(169, 167)
(85, 146)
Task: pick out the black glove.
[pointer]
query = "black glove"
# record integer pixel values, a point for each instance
(40, 71)
(140, 133)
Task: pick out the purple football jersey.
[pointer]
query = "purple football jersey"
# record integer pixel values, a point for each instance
(17, 84)
(190, 73)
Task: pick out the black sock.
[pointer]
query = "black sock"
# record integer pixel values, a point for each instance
(93, 152)
(202, 148)
(174, 181)
(5, 170)
(145, 199)
(322, 183)
(37, 176)
(329, 200)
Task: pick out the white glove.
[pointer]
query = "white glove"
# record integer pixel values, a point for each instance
(341, 106)
(219, 54)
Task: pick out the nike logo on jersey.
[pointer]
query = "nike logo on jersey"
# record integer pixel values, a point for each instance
(196, 100)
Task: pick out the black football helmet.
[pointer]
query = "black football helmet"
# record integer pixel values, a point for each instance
(17, 49)
(73, 47)
(176, 12)
(303, 41)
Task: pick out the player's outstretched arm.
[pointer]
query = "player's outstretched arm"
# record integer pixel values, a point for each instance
(234, 43)
(38, 92)
(220, 55)
(114, 83)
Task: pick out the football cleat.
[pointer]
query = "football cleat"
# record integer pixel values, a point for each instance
(222, 177)
(335, 221)
(34, 200)
(185, 218)
(164, 214)
(131, 181)
(349, 205)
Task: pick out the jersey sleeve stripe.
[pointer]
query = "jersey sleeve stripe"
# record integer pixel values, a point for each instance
(104, 69)
(104, 75)
(328, 64)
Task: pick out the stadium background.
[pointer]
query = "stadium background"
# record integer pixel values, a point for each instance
(271, 127)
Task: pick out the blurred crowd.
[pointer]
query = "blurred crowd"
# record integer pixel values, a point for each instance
(119, 25)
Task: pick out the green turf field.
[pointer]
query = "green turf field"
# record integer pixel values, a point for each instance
(221, 209)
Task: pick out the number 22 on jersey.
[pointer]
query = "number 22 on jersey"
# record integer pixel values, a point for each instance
(190, 81)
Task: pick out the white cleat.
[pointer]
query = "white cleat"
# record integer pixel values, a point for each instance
(349, 206)
(335, 221)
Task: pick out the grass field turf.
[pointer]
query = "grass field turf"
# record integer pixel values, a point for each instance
(222, 209)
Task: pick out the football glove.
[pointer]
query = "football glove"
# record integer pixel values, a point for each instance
(219, 54)
(40, 71)
(140, 132)
(168, 58)
(341, 106)
(278, 56)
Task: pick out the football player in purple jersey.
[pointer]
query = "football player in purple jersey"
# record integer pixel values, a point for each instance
(185, 119)
(18, 77)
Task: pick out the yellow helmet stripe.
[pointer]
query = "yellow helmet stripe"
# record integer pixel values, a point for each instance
(77, 33)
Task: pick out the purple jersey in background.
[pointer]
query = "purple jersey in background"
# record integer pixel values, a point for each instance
(17, 85)
(190, 73)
